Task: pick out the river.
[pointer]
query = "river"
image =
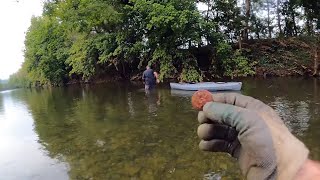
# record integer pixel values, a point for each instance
(116, 131)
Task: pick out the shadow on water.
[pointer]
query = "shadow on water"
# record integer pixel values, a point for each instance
(117, 131)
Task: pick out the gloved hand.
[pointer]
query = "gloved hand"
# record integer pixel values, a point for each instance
(253, 133)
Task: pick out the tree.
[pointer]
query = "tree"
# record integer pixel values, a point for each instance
(312, 12)
(225, 16)
(290, 14)
(312, 9)
(87, 39)
(269, 5)
(279, 17)
(46, 51)
(248, 11)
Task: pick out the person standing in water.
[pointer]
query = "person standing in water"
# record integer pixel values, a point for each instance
(150, 78)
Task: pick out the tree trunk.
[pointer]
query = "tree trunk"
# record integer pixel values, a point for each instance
(309, 24)
(123, 70)
(240, 41)
(269, 28)
(315, 89)
(316, 64)
(309, 27)
(217, 27)
(294, 24)
(208, 4)
(246, 29)
(279, 18)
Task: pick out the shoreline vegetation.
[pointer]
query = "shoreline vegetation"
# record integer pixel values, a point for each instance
(108, 40)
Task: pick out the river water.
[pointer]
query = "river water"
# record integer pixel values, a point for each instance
(116, 131)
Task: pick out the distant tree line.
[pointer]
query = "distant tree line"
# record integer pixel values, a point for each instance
(4, 85)
(88, 39)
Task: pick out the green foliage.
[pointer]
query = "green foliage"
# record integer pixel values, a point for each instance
(226, 15)
(20, 79)
(233, 64)
(238, 66)
(46, 51)
(90, 38)
(223, 51)
(4, 85)
(190, 72)
(312, 9)
(83, 56)
(160, 28)
(161, 57)
(87, 15)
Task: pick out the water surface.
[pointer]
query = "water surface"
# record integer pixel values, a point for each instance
(116, 131)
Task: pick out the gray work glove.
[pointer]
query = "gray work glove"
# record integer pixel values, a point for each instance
(253, 133)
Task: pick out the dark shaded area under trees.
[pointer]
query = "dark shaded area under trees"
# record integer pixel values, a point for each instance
(92, 40)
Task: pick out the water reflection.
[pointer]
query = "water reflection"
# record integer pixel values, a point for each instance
(1, 105)
(22, 157)
(296, 115)
(120, 132)
(152, 99)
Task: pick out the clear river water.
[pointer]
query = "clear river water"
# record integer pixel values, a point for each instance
(117, 131)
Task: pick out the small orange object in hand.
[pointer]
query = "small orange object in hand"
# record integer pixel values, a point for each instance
(200, 98)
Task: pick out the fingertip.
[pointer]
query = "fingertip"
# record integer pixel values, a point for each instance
(202, 131)
(213, 145)
(203, 145)
(202, 117)
(210, 110)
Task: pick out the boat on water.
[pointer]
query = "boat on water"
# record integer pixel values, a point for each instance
(184, 93)
(210, 86)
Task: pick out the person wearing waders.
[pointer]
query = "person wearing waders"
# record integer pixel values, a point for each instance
(150, 78)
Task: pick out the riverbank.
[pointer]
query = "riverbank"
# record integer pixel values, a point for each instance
(293, 56)
(281, 57)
